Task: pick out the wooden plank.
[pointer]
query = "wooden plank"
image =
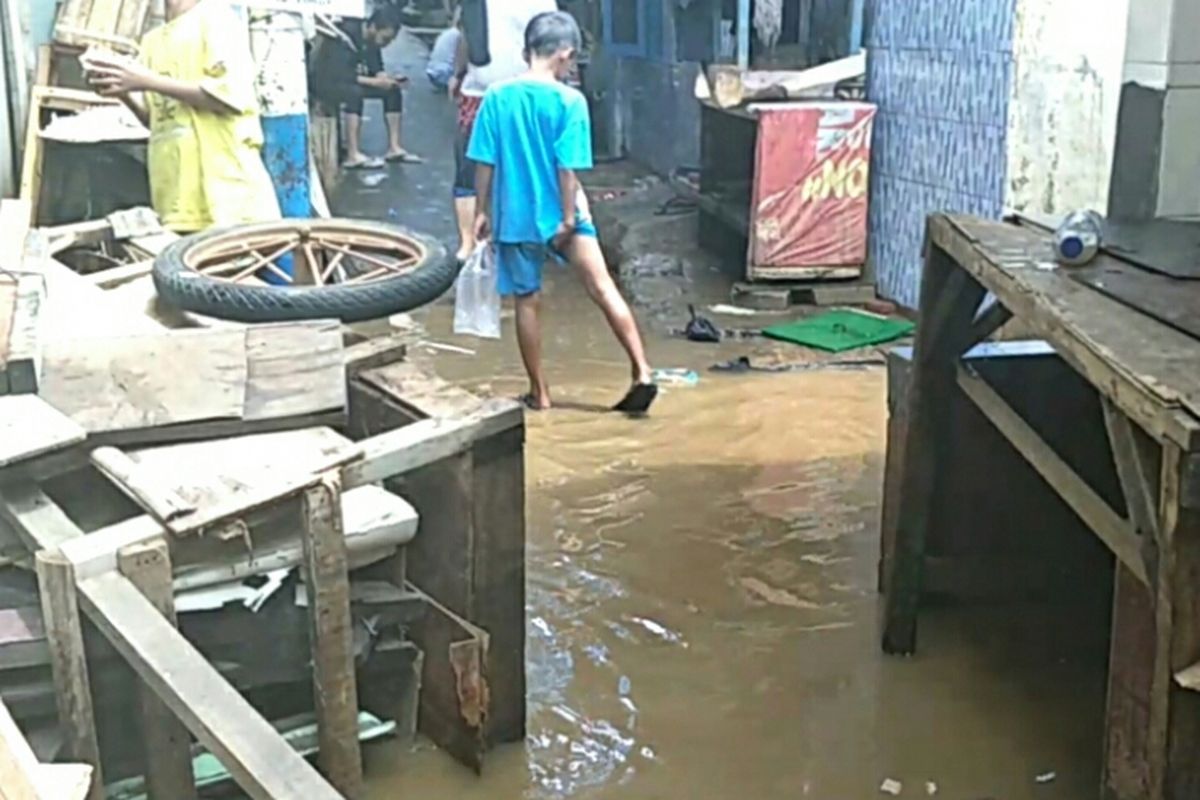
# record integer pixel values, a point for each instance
(335, 687)
(35, 518)
(988, 321)
(168, 766)
(111, 278)
(428, 441)
(68, 661)
(146, 387)
(8, 303)
(926, 443)
(263, 765)
(1116, 534)
(1137, 460)
(375, 523)
(1142, 365)
(379, 351)
(138, 382)
(24, 356)
(144, 487)
(31, 427)
(455, 694)
(498, 566)
(18, 765)
(294, 369)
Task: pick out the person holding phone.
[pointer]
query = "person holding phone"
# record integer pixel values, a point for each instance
(347, 69)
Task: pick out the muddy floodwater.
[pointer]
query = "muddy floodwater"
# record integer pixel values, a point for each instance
(702, 613)
(702, 607)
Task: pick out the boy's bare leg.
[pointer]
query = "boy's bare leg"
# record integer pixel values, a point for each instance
(529, 339)
(395, 125)
(464, 212)
(353, 138)
(585, 254)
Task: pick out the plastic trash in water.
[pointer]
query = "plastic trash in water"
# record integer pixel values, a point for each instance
(676, 377)
(1079, 237)
(476, 300)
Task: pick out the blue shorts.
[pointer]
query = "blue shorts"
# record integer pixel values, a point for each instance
(519, 266)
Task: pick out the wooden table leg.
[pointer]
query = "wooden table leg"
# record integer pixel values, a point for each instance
(949, 299)
(331, 635)
(72, 688)
(1174, 725)
(168, 746)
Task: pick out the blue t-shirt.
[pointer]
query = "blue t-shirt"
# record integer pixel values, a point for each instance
(528, 129)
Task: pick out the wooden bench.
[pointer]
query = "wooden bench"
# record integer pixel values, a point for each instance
(1147, 377)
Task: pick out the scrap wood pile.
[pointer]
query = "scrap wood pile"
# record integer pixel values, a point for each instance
(194, 494)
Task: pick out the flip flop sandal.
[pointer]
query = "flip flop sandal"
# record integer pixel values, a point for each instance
(638, 400)
(405, 158)
(366, 163)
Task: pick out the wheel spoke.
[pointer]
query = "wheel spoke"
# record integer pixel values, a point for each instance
(395, 266)
(373, 274)
(268, 262)
(333, 264)
(314, 265)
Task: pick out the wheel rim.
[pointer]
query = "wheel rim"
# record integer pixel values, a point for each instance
(319, 253)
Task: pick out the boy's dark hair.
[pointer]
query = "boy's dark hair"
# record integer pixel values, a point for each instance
(386, 18)
(551, 32)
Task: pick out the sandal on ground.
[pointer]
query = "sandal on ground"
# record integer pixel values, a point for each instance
(529, 402)
(364, 163)
(638, 400)
(404, 158)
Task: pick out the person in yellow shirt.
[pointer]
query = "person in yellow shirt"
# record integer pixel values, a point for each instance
(194, 88)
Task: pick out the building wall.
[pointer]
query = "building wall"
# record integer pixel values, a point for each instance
(1068, 57)
(940, 72)
(1158, 155)
(660, 118)
(987, 105)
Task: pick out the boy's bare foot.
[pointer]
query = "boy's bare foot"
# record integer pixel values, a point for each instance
(536, 402)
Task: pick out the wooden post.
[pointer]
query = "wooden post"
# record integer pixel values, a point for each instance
(331, 636)
(168, 766)
(1174, 728)
(68, 661)
(949, 298)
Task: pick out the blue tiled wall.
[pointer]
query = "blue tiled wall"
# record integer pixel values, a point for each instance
(940, 72)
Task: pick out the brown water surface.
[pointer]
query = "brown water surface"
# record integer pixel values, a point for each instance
(702, 613)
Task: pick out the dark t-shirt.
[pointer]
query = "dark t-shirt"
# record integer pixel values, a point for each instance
(335, 65)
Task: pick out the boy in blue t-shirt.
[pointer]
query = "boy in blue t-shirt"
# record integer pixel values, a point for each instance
(531, 135)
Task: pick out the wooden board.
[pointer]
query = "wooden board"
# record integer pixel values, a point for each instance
(29, 427)
(132, 388)
(1144, 367)
(1171, 301)
(131, 383)
(261, 762)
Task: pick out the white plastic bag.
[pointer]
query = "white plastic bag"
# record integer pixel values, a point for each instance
(477, 301)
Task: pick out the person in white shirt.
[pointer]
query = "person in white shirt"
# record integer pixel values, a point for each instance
(506, 21)
(444, 54)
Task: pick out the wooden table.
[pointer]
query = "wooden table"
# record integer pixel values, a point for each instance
(1147, 375)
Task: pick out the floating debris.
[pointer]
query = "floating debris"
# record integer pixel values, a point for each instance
(1046, 777)
(892, 787)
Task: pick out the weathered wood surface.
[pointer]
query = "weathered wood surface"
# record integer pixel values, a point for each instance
(949, 300)
(1146, 368)
(24, 351)
(184, 383)
(455, 690)
(470, 553)
(23, 778)
(31, 427)
(168, 757)
(331, 637)
(1118, 535)
(68, 661)
(116, 24)
(730, 86)
(145, 487)
(263, 765)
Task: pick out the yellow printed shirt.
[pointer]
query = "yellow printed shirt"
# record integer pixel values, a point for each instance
(206, 169)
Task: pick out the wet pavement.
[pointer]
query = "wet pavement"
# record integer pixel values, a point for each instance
(702, 613)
